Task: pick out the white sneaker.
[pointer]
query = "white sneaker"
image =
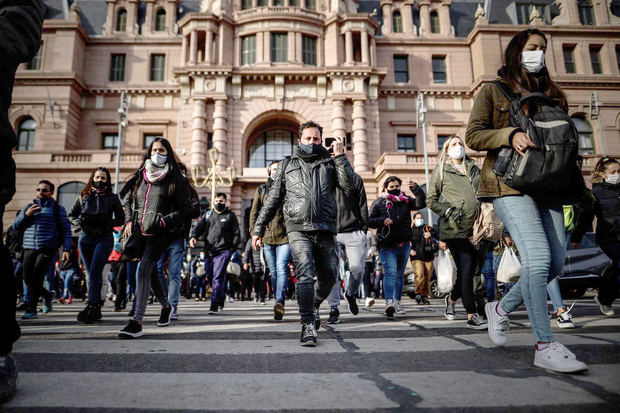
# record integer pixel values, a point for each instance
(399, 307)
(564, 317)
(498, 325)
(370, 302)
(605, 309)
(559, 359)
(390, 309)
(231, 300)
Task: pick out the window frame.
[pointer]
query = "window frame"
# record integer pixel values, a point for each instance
(248, 56)
(397, 17)
(265, 156)
(434, 21)
(396, 72)
(121, 21)
(586, 13)
(618, 56)
(120, 72)
(311, 5)
(37, 61)
(157, 70)
(406, 148)
(150, 135)
(442, 137)
(104, 136)
(274, 48)
(30, 134)
(158, 14)
(568, 50)
(438, 58)
(584, 134)
(597, 67)
(309, 55)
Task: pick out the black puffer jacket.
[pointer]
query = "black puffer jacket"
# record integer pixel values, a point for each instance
(425, 248)
(307, 187)
(221, 229)
(400, 231)
(97, 214)
(353, 209)
(607, 211)
(154, 209)
(252, 257)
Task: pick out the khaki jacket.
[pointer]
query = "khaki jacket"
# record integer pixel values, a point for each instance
(275, 232)
(489, 129)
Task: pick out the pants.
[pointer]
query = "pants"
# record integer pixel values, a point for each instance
(120, 279)
(216, 270)
(394, 262)
(260, 287)
(67, 278)
(368, 287)
(36, 265)
(276, 257)
(94, 252)
(464, 255)
(608, 285)
(353, 244)
(423, 271)
(488, 273)
(313, 253)
(538, 232)
(132, 281)
(174, 252)
(147, 275)
(8, 324)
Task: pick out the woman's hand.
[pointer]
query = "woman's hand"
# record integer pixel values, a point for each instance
(127, 229)
(442, 245)
(387, 222)
(521, 141)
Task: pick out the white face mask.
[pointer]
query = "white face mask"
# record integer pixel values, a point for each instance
(456, 152)
(419, 222)
(613, 179)
(533, 60)
(159, 159)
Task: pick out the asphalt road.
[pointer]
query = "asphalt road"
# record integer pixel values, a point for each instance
(240, 359)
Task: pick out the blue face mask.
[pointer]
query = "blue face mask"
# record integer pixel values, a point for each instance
(159, 159)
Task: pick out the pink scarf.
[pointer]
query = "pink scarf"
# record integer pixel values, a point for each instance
(390, 199)
(154, 173)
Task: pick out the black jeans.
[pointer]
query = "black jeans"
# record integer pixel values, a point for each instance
(260, 284)
(8, 326)
(314, 254)
(36, 265)
(608, 285)
(120, 281)
(464, 255)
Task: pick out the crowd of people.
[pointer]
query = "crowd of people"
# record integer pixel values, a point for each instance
(310, 227)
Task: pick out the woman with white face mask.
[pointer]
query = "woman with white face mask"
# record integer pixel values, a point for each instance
(536, 225)
(452, 196)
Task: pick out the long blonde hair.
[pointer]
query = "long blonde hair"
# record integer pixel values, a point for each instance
(443, 154)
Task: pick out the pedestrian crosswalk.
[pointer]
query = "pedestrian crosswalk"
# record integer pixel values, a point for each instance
(241, 359)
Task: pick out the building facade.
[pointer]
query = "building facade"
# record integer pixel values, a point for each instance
(242, 75)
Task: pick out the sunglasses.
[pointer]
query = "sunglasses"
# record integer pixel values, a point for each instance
(44, 190)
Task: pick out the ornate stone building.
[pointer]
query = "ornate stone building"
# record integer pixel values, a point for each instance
(241, 75)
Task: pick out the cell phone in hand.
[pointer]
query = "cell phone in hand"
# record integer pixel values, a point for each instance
(329, 141)
(36, 202)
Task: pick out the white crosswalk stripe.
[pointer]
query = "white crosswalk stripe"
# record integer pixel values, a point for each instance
(240, 359)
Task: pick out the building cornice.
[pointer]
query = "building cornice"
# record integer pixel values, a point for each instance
(413, 91)
(136, 90)
(107, 40)
(32, 78)
(578, 30)
(68, 24)
(278, 13)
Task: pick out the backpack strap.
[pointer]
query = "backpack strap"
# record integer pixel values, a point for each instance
(285, 161)
(503, 87)
(59, 228)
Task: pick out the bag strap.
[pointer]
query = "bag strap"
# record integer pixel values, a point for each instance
(503, 87)
(59, 228)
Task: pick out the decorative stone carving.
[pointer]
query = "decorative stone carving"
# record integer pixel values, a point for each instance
(279, 88)
(562, 18)
(321, 87)
(480, 15)
(535, 17)
(373, 88)
(301, 91)
(613, 19)
(236, 87)
(250, 91)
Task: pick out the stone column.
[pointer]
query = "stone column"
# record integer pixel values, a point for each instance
(320, 61)
(407, 16)
(209, 47)
(338, 127)
(237, 51)
(260, 53)
(360, 140)
(219, 130)
(298, 48)
(110, 22)
(365, 47)
(348, 47)
(199, 137)
(184, 50)
(601, 12)
(148, 19)
(425, 22)
(386, 28)
(444, 19)
(193, 47)
(290, 52)
(373, 51)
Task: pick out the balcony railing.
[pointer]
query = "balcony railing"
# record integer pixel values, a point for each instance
(277, 10)
(80, 158)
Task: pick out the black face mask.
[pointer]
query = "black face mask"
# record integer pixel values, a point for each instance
(98, 184)
(220, 207)
(310, 149)
(394, 192)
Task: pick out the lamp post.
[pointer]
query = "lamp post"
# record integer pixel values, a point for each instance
(212, 178)
(421, 119)
(122, 124)
(595, 113)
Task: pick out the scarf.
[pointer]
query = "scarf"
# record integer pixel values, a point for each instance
(154, 173)
(322, 153)
(390, 199)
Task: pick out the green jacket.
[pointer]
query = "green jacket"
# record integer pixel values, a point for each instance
(275, 233)
(489, 129)
(453, 197)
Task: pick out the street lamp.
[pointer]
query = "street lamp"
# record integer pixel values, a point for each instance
(595, 113)
(421, 119)
(122, 124)
(212, 178)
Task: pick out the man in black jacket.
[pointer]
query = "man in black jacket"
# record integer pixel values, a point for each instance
(352, 227)
(21, 22)
(306, 186)
(222, 236)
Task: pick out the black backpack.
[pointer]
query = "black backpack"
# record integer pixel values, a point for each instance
(550, 169)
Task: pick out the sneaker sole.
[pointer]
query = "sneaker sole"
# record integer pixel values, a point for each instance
(481, 327)
(600, 307)
(309, 344)
(566, 325)
(333, 322)
(487, 310)
(449, 317)
(125, 334)
(389, 312)
(370, 303)
(551, 370)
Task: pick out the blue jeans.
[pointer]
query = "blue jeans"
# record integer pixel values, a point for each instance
(94, 252)
(67, 277)
(277, 257)
(394, 261)
(538, 232)
(172, 286)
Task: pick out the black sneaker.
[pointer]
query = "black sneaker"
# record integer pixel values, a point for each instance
(278, 311)
(418, 299)
(477, 323)
(334, 316)
(164, 317)
(213, 309)
(424, 300)
(353, 308)
(97, 314)
(23, 306)
(308, 335)
(133, 329)
(8, 379)
(88, 315)
(317, 319)
(450, 312)
(131, 313)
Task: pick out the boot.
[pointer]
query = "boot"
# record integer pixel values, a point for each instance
(88, 315)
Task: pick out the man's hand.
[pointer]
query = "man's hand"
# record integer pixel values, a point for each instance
(34, 208)
(192, 242)
(338, 147)
(66, 255)
(127, 229)
(257, 242)
(442, 245)
(387, 222)
(246, 266)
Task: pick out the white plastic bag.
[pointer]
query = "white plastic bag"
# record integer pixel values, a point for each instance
(509, 269)
(446, 271)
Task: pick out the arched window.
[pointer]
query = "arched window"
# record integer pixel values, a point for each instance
(68, 192)
(25, 134)
(586, 13)
(586, 138)
(434, 22)
(271, 146)
(121, 20)
(160, 20)
(397, 22)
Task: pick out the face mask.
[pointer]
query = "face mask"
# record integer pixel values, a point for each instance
(394, 192)
(613, 179)
(202, 256)
(310, 149)
(456, 152)
(419, 222)
(159, 159)
(220, 207)
(533, 60)
(98, 184)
